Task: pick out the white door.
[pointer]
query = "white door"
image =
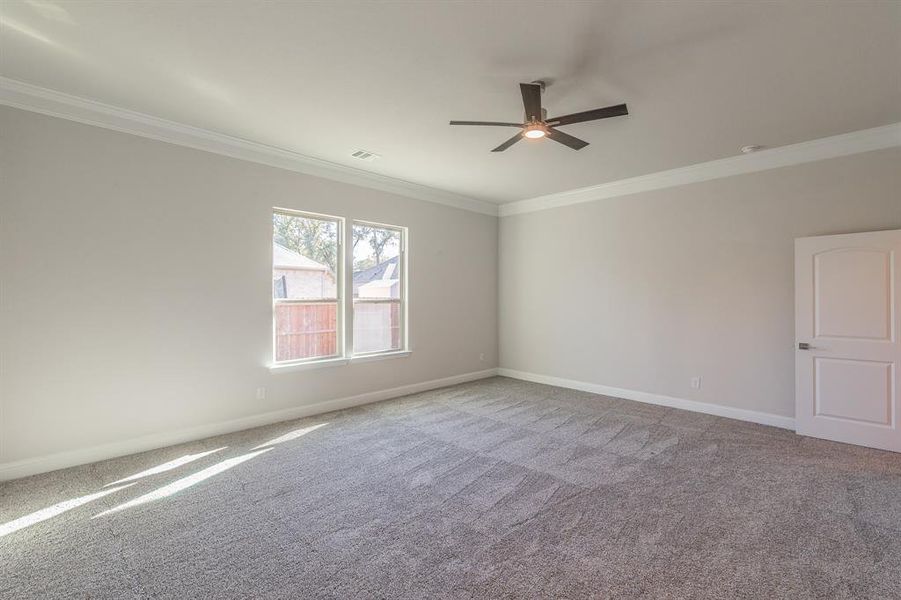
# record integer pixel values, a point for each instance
(848, 352)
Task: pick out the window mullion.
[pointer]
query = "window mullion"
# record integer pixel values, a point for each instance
(347, 306)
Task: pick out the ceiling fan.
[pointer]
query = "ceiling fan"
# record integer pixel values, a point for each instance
(537, 125)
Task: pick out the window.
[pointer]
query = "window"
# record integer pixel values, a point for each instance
(311, 272)
(379, 288)
(307, 265)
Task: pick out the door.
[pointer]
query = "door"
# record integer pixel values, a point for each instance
(848, 353)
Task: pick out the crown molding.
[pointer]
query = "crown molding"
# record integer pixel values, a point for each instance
(34, 98)
(26, 96)
(846, 144)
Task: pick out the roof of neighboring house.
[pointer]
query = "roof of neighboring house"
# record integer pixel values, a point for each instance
(376, 272)
(285, 258)
(384, 270)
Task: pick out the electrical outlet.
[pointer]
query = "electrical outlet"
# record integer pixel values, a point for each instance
(261, 393)
(482, 357)
(696, 383)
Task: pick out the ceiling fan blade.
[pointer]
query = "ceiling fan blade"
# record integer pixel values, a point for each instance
(531, 100)
(590, 115)
(566, 139)
(508, 143)
(495, 123)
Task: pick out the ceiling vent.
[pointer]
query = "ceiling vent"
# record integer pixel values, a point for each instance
(365, 155)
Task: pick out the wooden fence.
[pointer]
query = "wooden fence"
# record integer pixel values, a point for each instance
(305, 330)
(309, 329)
(376, 326)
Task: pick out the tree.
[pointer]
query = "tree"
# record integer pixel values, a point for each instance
(360, 233)
(313, 238)
(378, 240)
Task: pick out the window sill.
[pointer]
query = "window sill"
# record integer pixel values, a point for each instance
(361, 358)
(336, 362)
(311, 364)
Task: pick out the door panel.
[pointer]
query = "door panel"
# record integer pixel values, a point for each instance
(847, 311)
(854, 390)
(850, 277)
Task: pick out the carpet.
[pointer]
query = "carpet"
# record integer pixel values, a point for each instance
(493, 489)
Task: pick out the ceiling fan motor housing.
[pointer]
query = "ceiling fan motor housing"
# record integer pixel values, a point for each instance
(525, 117)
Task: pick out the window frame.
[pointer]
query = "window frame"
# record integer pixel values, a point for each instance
(340, 309)
(403, 289)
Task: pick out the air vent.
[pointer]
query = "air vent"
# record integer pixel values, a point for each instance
(365, 155)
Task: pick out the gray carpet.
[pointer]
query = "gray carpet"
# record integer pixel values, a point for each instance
(493, 489)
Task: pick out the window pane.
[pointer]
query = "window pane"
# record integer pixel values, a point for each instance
(376, 326)
(377, 288)
(304, 257)
(304, 285)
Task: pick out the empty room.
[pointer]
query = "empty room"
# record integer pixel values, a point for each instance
(450, 299)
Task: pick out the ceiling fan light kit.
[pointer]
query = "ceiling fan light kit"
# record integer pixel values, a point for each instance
(535, 130)
(537, 125)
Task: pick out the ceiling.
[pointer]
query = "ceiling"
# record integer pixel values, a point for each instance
(701, 79)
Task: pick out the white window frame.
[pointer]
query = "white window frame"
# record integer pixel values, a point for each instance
(403, 288)
(340, 311)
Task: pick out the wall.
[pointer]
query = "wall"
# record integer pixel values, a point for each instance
(643, 292)
(136, 288)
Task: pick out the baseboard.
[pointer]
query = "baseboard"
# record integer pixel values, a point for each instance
(702, 407)
(62, 460)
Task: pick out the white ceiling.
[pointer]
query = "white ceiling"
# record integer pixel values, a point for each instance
(701, 79)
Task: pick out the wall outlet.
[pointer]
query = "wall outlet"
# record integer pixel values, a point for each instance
(261, 393)
(482, 357)
(695, 383)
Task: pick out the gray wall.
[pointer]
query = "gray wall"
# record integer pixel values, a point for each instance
(134, 284)
(643, 292)
(136, 287)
